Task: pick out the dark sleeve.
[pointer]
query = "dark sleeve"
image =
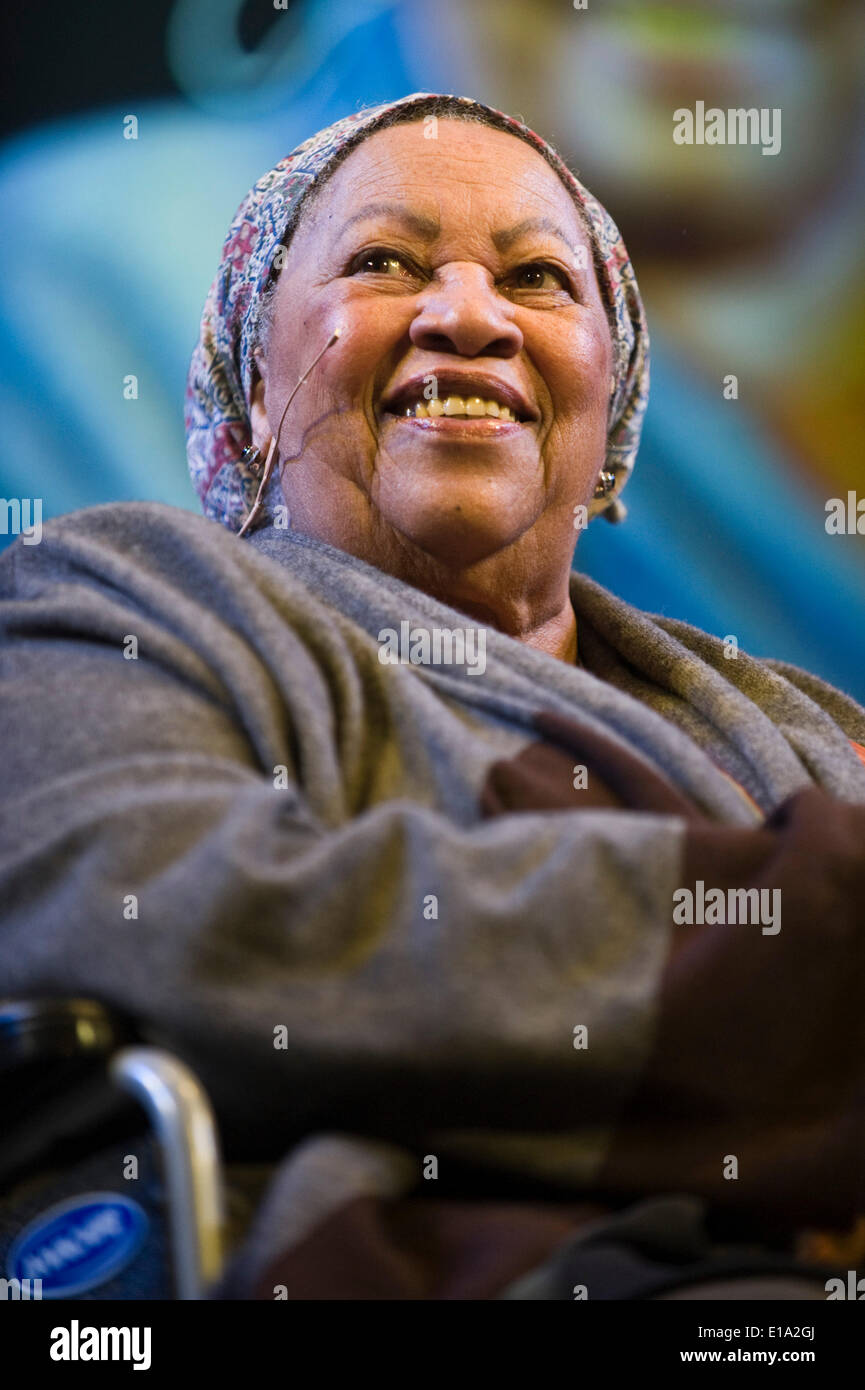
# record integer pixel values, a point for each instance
(753, 1091)
(759, 1053)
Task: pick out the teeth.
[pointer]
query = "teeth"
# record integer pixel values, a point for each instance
(471, 406)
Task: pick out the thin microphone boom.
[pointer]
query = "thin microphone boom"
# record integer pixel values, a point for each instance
(271, 453)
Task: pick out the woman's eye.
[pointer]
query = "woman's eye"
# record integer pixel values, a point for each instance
(380, 263)
(538, 277)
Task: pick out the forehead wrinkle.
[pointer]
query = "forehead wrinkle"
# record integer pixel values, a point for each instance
(428, 225)
(373, 165)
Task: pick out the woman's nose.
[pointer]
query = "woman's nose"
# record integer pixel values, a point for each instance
(462, 312)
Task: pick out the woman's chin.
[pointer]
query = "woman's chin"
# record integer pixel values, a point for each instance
(462, 513)
(462, 533)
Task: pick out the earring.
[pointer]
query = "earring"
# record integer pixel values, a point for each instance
(252, 458)
(605, 484)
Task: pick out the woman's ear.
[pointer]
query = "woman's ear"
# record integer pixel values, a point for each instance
(261, 431)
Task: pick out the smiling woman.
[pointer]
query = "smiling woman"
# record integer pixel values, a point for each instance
(442, 293)
(492, 367)
(378, 813)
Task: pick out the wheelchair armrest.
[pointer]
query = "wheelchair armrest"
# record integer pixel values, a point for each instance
(68, 1066)
(54, 1078)
(57, 1029)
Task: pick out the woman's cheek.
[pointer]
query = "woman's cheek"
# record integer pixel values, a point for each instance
(577, 373)
(370, 333)
(578, 380)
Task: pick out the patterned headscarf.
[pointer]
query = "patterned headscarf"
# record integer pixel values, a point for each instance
(221, 372)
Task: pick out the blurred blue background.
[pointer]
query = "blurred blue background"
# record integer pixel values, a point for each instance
(750, 265)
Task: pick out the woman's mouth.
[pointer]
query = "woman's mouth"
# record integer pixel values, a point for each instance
(459, 407)
(473, 415)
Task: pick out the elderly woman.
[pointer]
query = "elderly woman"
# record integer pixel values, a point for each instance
(384, 818)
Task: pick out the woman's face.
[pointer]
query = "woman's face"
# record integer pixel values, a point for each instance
(457, 267)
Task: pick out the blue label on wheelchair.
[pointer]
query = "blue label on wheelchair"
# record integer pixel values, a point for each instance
(79, 1244)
